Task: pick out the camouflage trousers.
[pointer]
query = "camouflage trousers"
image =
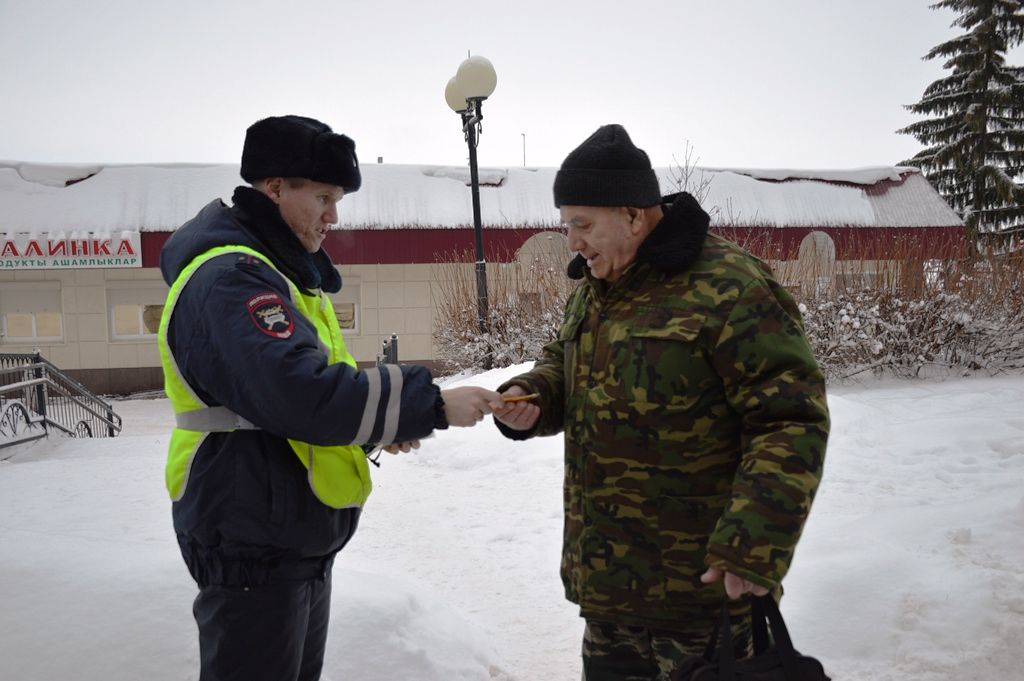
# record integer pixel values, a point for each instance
(614, 652)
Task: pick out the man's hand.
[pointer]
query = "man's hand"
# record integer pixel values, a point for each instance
(734, 586)
(466, 406)
(517, 415)
(396, 447)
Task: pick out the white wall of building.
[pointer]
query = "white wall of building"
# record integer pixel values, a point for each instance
(105, 318)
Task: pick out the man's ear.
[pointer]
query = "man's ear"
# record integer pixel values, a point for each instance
(272, 188)
(635, 215)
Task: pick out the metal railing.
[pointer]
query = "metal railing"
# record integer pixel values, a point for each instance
(36, 397)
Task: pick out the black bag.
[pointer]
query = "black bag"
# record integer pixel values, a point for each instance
(778, 662)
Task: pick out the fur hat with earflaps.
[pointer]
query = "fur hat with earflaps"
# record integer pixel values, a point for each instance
(296, 146)
(607, 170)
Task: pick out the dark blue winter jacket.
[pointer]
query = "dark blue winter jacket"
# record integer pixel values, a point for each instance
(248, 514)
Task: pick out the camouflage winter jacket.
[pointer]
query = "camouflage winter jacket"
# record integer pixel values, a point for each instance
(695, 426)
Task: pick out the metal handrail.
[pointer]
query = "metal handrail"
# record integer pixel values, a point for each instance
(49, 382)
(54, 399)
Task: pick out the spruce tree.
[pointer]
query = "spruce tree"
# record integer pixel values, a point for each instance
(975, 136)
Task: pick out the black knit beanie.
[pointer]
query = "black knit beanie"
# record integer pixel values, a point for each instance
(296, 146)
(607, 170)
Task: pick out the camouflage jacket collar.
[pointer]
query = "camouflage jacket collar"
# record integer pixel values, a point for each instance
(673, 245)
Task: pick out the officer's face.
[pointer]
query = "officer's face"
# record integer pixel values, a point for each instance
(606, 237)
(308, 207)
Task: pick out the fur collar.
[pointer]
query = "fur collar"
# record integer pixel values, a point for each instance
(675, 242)
(262, 219)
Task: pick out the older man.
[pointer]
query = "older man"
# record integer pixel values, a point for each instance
(266, 466)
(693, 412)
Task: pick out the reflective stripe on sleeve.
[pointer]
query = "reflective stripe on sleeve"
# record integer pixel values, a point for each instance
(394, 404)
(370, 410)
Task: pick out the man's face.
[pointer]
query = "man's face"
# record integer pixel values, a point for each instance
(308, 207)
(604, 236)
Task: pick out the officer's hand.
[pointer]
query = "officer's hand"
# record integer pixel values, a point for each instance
(517, 415)
(468, 405)
(396, 447)
(734, 586)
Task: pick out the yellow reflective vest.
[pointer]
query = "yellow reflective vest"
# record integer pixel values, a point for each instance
(338, 475)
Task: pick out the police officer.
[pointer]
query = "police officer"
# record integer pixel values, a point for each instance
(266, 466)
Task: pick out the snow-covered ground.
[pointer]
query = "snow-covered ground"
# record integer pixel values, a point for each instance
(910, 566)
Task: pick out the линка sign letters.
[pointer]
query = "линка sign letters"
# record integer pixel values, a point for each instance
(49, 251)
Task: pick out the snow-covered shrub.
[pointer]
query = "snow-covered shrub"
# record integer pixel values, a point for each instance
(950, 317)
(970, 318)
(525, 305)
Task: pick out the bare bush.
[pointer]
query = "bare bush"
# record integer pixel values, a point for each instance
(899, 317)
(958, 317)
(526, 299)
(686, 176)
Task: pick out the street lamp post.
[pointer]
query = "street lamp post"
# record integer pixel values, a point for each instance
(465, 93)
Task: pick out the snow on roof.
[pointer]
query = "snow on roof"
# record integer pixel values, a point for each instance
(871, 197)
(160, 197)
(870, 175)
(438, 196)
(57, 175)
(115, 198)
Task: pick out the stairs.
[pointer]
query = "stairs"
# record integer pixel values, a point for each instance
(37, 399)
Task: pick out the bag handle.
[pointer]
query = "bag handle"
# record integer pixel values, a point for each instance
(726, 652)
(762, 608)
(759, 626)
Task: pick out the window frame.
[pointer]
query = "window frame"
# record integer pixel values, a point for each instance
(37, 288)
(141, 290)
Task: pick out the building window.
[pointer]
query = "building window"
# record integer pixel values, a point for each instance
(346, 314)
(135, 312)
(136, 320)
(346, 306)
(31, 313)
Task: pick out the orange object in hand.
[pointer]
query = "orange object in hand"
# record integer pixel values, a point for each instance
(520, 398)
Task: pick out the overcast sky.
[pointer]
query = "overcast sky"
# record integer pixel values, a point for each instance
(749, 83)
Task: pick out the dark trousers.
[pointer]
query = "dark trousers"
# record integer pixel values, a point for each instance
(273, 632)
(614, 652)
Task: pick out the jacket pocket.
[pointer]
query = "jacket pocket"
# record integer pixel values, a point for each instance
(685, 525)
(261, 482)
(669, 370)
(279, 498)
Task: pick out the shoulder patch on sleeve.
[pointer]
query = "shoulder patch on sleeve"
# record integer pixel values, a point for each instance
(270, 315)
